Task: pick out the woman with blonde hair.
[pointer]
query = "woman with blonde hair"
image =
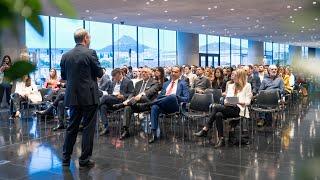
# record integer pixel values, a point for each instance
(52, 81)
(240, 89)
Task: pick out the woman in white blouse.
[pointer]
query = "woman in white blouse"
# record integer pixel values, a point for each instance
(24, 90)
(241, 89)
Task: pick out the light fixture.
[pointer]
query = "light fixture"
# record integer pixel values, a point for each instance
(290, 17)
(165, 0)
(139, 14)
(262, 27)
(314, 2)
(60, 14)
(209, 8)
(169, 19)
(299, 7)
(302, 27)
(292, 21)
(90, 17)
(275, 32)
(288, 6)
(316, 19)
(215, 7)
(115, 18)
(175, 20)
(203, 25)
(165, 27)
(203, 17)
(165, 11)
(302, 31)
(295, 9)
(151, 0)
(285, 35)
(190, 22)
(87, 11)
(249, 28)
(231, 9)
(148, 3)
(247, 18)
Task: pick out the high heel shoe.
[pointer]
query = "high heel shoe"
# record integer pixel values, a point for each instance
(220, 143)
(201, 133)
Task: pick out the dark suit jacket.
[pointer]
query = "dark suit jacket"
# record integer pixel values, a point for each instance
(104, 84)
(151, 90)
(182, 91)
(80, 68)
(126, 87)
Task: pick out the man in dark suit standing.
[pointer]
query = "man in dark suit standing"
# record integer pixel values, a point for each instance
(145, 91)
(122, 88)
(172, 94)
(80, 68)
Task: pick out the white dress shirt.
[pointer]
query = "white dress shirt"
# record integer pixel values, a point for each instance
(174, 89)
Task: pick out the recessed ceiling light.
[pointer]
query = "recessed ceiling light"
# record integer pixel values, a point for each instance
(203, 25)
(148, 3)
(290, 17)
(247, 18)
(262, 27)
(316, 19)
(295, 9)
(170, 19)
(209, 8)
(257, 20)
(115, 18)
(139, 14)
(285, 35)
(288, 6)
(60, 14)
(165, 0)
(215, 7)
(292, 21)
(190, 22)
(165, 11)
(271, 36)
(231, 9)
(203, 17)
(314, 2)
(151, 0)
(249, 28)
(302, 27)
(299, 7)
(175, 20)
(90, 17)
(276, 32)
(165, 27)
(87, 11)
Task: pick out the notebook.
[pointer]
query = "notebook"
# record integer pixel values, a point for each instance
(232, 100)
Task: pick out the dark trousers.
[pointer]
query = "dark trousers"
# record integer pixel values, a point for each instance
(15, 102)
(166, 105)
(220, 112)
(88, 116)
(106, 104)
(5, 88)
(134, 108)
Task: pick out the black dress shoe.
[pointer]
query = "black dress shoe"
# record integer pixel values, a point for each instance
(220, 143)
(201, 133)
(48, 111)
(60, 126)
(66, 163)
(125, 134)
(105, 131)
(87, 165)
(118, 106)
(153, 137)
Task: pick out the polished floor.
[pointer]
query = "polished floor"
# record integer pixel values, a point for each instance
(30, 150)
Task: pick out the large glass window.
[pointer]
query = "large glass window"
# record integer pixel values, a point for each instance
(268, 52)
(213, 44)
(38, 47)
(62, 38)
(276, 53)
(235, 51)
(202, 43)
(304, 54)
(148, 46)
(101, 41)
(224, 51)
(125, 45)
(244, 52)
(167, 48)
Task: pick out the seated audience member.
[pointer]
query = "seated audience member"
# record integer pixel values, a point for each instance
(130, 73)
(269, 83)
(288, 80)
(241, 89)
(121, 89)
(52, 82)
(201, 83)
(218, 81)
(104, 84)
(145, 91)
(159, 76)
(261, 72)
(172, 94)
(26, 90)
(253, 79)
(208, 73)
(5, 87)
(137, 76)
(188, 73)
(194, 69)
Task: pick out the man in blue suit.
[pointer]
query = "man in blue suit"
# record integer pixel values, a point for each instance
(172, 94)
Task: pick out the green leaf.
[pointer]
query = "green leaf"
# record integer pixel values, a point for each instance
(66, 7)
(18, 70)
(36, 23)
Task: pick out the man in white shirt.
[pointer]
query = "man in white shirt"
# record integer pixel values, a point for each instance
(189, 75)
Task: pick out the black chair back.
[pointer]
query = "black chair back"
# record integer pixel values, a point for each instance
(44, 92)
(268, 99)
(201, 102)
(216, 93)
